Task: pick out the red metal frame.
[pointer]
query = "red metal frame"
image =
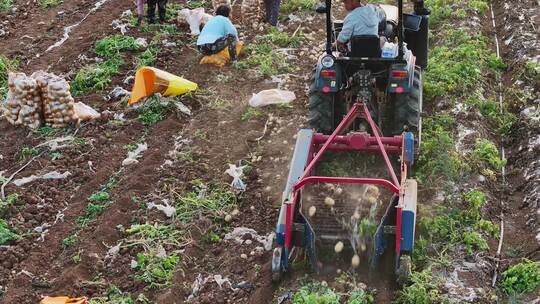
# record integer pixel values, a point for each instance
(355, 142)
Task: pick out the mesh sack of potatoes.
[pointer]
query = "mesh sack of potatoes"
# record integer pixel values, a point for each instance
(251, 13)
(23, 105)
(11, 108)
(58, 104)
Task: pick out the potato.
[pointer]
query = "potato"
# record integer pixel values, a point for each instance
(355, 261)
(328, 201)
(372, 200)
(363, 247)
(312, 210)
(372, 191)
(338, 247)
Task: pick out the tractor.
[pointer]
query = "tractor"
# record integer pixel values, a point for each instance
(365, 103)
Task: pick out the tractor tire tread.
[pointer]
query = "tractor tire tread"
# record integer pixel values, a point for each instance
(320, 109)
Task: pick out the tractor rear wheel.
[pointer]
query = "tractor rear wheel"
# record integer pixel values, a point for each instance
(408, 108)
(321, 108)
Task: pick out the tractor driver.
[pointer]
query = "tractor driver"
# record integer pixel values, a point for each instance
(362, 19)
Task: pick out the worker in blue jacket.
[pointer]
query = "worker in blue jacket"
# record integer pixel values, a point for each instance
(219, 33)
(362, 19)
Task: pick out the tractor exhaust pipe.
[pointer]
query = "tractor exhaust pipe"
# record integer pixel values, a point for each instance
(400, 29)
(327, 9)
(329, 32)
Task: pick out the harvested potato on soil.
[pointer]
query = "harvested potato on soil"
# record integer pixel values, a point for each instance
(355, 261)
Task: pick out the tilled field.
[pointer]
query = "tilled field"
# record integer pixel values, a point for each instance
(95, 233)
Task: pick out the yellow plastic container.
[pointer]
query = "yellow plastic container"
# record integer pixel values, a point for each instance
(149, 81)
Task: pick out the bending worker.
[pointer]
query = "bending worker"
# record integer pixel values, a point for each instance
(219, 33)
(362, 19)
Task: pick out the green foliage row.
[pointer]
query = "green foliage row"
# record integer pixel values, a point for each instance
(6, 5)
(204, 200)
(115, 296)
(153, 111)
(439, 160)
(45, 4)
(317, 293)
(521, 278)
(458, 65)
(7, 203)
(95, 77)
(262, 52)
(97, 203)
(6, 233)
(424, 289)
(154, 266)
(294, 6)
(157, 271)
(503, 120)
(449, 227)
(486, 154)
(110, 47)
(445, 10)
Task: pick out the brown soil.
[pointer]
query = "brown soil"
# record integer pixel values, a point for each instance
(219, 136)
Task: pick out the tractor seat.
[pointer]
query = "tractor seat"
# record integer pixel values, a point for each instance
(365, 46)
